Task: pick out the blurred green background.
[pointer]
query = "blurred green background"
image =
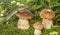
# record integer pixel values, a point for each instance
(35, 6)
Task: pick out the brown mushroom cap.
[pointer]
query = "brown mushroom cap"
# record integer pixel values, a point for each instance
(26, 14)
(38, 25)
(47, 13)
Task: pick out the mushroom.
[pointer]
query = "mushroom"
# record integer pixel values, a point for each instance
(47, 15)
(38, 27)
(23, 22)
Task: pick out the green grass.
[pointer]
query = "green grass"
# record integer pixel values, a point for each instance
(10, 28)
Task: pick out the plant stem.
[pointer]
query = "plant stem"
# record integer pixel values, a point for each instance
(49, 3)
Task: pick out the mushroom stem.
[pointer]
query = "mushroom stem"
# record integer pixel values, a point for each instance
(23, 24)
(47, 23)
(37, 32)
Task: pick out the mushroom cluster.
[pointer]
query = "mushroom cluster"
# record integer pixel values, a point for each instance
(23, 22)
(38, 27)
(47, 15)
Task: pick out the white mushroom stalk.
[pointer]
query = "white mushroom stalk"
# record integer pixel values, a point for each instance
(37, 32)
(47, 23)
(47, 15)
(23, 24)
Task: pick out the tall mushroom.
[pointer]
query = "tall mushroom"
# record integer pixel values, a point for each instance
(23, 22)
(47, 15)
(38, 27)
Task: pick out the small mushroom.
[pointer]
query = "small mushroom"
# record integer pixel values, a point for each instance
(47, 15)
(38, 27)
(23, 22)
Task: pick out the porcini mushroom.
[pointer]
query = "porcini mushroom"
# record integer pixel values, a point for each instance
(47, 15)
(38, 27)
(23, 22)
